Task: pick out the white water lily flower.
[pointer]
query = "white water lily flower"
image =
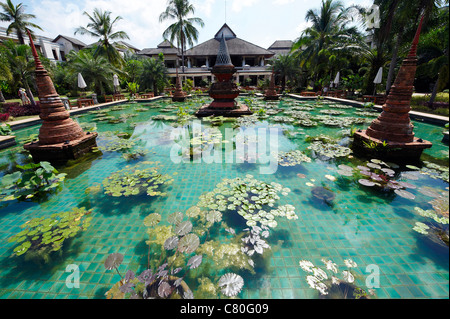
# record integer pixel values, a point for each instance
(348, 277)
(306, 265)
(322, 288)
(312, 281)
(319, 273)
(350, 263)
(335, 280)
(330, 265)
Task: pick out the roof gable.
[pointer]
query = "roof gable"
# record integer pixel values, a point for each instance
(73, 40)
(226, 32)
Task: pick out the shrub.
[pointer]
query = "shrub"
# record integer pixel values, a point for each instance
(15, 109)
(4, 117)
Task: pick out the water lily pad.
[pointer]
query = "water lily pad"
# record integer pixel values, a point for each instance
(152, 220)
(188, 244)
(366, 182)
(171, 243)
(175, 218)
(183, 228)
(407, 185)
(428, 191)
(195, 261)
(323, 194)
(414, 168)
(404, 194)
(231, 284)
(113, 261)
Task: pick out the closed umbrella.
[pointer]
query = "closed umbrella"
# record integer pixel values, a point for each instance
(378, 79)
(81, 83)
(336, 79)
(116, 81)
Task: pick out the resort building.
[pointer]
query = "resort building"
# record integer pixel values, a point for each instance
(50, 49)
(249, 59)
(68, 44)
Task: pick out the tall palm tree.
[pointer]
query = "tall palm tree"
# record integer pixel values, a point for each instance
(329, 26)
(101, 26)
(96, 70)
(183, 30)
(18, 18)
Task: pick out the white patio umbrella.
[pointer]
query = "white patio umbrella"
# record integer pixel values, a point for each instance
(81, 83)
(378, 79)
(336, 79)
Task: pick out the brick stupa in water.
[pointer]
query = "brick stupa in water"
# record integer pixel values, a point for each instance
(224, 91)
(179, 95)
(60, 138)
(271, 92)
(391, 135)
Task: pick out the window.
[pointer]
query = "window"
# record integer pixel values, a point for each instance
(55, 54)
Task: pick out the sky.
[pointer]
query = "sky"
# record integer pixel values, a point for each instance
(260, 22)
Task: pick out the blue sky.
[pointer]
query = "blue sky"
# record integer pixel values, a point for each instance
(258, 21)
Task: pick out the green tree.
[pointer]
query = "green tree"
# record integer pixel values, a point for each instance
(96, 70)
(5, 72)
(329, 27)
(183, 30)
(153, 75)
(19, 20)
(286, 68)
(21, 64)
(101, 26)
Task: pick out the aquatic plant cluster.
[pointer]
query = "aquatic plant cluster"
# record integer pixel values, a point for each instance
(208, 250)
(250, 198)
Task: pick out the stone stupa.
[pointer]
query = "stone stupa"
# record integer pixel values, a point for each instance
(271, 92)
(178, 95)
(391, 135)
(224, 91)
(60, 138)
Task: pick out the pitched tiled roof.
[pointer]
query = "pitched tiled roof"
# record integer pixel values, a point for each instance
(73, 40)
(235, 46)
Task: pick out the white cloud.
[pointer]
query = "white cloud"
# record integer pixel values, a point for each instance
(282, 2)
(139, 20)
(238, 5)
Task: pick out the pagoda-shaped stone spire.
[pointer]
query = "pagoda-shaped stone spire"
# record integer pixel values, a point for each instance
(271, 92)
(393, 127)
(224, 91)
(179, 95)
(223, 56)
(60, 138)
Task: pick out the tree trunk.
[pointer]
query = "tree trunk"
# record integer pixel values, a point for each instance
(2, 98)
(29, 93)
(393, 62)
(433, 94)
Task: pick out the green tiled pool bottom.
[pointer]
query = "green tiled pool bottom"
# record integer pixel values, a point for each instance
(374, 231)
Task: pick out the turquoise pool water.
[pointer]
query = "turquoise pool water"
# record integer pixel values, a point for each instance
(369, 227)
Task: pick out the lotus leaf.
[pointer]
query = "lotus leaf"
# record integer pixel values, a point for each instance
(134, 181)
(195, 261)
(188, 244)
(231, 284)
(326, 151)
(171, 243)
(292, 158)
(183, 228)
(32, 180)
(152, 220)
(41, 236)
(113, 261)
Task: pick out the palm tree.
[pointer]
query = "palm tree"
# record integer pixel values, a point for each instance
(101, 26)
(96, 70)
(21, 64)
(329, 26)
(286, 67)
(183, 30)
(153, 74)
(18, 18)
